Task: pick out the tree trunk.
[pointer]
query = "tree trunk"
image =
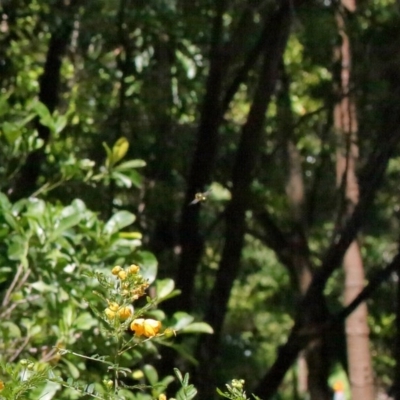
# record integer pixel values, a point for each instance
(317, 361)
(26, 181)
(246, 158)
(345, 122)
(191, 243)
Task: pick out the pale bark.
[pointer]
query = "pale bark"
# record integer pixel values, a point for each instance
(345, 121)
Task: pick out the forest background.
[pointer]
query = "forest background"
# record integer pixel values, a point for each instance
(114, 114)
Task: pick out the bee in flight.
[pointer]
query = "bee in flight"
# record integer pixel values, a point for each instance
(200, 197)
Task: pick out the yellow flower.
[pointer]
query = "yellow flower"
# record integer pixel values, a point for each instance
(162, 396)
(109, 313)
(138, 374)
(145, 327)
(116, 270)
(133, 269)
(109, 383)
(2, 385)
(113, 306)
(169, 332)
(122, 275)
(124, 312)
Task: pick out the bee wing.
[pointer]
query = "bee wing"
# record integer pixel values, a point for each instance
(200, 197)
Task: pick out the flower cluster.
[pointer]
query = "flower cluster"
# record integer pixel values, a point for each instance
(133, 285)
(115, 310)
(130, 286)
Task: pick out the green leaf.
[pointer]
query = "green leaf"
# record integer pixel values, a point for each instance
(119, 221)
(49, 391)
(11, 220)
(41, 110)
(10, 329)
(44, 115)
(130, 235)
(42, 287)
(85, 321)
(151, 374)
(4, 202)
(66, 223)
(127, 165)
(187, 392)
(136, 178)
(11, 132)
(60, 123)
(109, 154)
(74, 372)
(178, 375)
(164, 287)
(18, 248)
(121, 180)
(197, 327)
(148, 265)
(182, 320)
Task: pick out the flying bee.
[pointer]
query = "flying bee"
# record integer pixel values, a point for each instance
(200, 197)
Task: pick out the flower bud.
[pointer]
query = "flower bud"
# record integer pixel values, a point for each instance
(116, 270)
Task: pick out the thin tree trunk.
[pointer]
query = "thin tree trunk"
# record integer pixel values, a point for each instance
(191, 243)
(246, 158)
(317, 361)
(218, 96)
(26, 181)
(345, 122)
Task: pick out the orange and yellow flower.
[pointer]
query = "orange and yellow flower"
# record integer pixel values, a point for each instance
(145, 327)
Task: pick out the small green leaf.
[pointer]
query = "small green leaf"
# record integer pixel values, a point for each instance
(74, 372)
(66, 223)
(178, 374)
(197, 327)
(11, 220)
(43, 287)
(151, 374)
(10, 329)
(18, 248)
(182, 320)
(85, 321)
(4, 202)
(131, 164)
(164, 288)
(130, 235)
(41, 110)
(60, 123)
(136, 178)
(44, 114)
(109, 158)
(148, 265)
(11, 132)
(118, 221)
(121, 180)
